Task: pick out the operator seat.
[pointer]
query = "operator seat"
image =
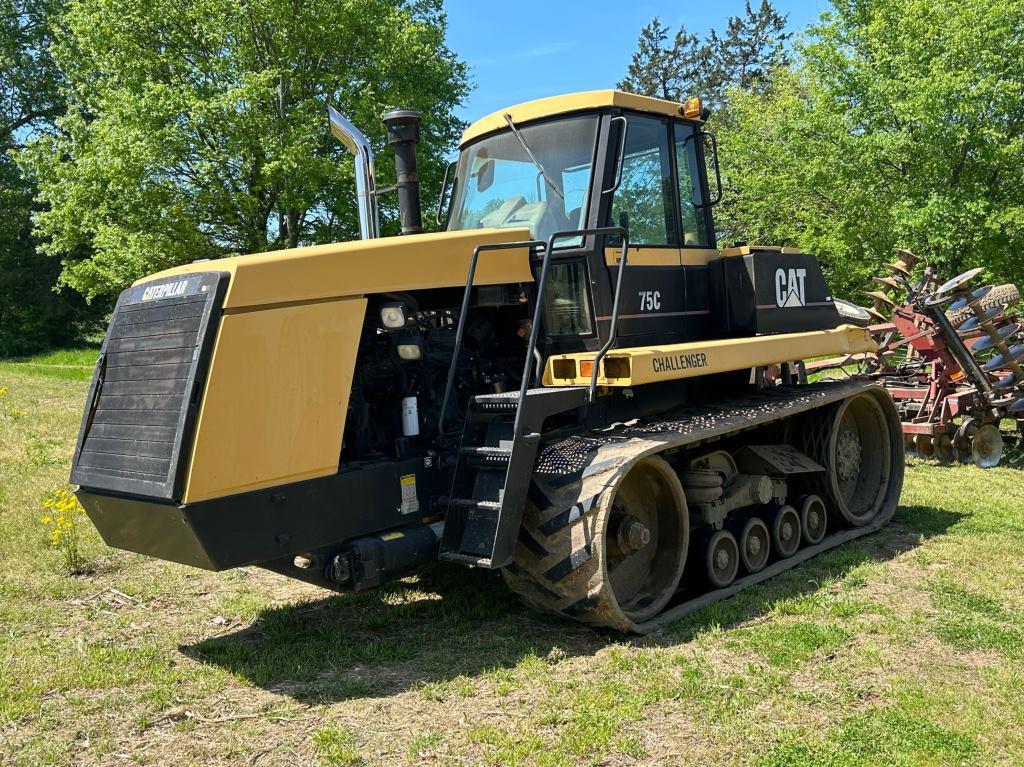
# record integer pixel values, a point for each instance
(534, 216)
(496, 218)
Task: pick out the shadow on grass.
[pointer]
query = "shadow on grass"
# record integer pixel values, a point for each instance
(449, 623)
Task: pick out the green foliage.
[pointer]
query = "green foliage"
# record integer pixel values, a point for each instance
(197, 130)
(32, 316)
(664, 68)
(677, 67)
(899, 126)
(334, 746)
(28, 78)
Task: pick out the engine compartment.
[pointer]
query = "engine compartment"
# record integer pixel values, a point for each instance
(401, 372)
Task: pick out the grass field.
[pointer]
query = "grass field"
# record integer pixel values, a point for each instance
(906, 648)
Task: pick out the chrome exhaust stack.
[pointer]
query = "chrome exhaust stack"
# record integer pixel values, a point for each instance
(366, 188)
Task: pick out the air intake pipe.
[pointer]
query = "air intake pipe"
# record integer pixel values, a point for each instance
(366, 189)
(403, 135)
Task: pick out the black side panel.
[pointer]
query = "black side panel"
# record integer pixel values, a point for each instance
(148, 383)
(769, 292)
(265, 525)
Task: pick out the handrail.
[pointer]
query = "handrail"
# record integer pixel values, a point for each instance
(542, 282)
(450, 383)
(613, 325)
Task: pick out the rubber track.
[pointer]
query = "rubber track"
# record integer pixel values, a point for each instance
(556, 568)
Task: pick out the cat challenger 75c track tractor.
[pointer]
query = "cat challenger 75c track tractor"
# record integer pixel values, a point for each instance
(566, 384)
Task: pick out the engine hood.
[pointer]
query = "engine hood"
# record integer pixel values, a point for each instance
(351, 269)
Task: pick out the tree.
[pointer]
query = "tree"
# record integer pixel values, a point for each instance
(664, 69)
(678, 67)
(754, 44)
(32, 315)
(198, 130)
(902, 125)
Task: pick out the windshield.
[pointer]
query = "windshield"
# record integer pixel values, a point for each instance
(498, 185)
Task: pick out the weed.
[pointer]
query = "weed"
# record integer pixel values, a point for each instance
(422, 743)
(62, 519)
(7, 408)
(334, 746)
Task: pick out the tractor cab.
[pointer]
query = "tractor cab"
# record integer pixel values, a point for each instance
(596, 160)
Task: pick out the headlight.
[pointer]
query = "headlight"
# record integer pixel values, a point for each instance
(409, 352)
(392, 316)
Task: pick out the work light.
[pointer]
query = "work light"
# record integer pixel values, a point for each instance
(392, 316)
(409, 352)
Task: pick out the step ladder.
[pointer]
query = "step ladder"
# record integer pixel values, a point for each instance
(496, 462)
(501, 433)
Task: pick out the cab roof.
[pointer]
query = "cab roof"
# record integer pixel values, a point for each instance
(572, 102)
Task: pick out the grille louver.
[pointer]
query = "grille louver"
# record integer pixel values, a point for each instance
(145, 392)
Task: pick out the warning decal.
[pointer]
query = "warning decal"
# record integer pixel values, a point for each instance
(410, 503)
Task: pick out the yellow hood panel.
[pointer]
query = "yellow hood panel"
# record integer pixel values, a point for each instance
(351, 269)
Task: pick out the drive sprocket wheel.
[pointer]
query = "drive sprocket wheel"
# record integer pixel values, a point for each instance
(853, 441)
(618, 565)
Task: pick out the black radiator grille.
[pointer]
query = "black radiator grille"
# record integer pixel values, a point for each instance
(137, 426)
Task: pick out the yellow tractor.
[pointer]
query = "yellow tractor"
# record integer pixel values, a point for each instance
(566, 383)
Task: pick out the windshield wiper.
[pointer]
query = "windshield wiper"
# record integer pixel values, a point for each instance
(536, 162)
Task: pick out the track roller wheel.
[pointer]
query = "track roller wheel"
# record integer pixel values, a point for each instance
(813, 519)
(755, 543)
(721, 559)
(785, 526)
(617, 565)
(857, 441)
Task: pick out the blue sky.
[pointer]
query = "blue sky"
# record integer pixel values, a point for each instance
(519, 50)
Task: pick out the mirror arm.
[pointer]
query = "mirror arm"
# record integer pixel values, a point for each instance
(718, 174)
(440, 197)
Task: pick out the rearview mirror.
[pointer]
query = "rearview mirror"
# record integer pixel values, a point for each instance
(485, 176)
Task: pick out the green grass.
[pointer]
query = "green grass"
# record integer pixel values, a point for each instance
(64, 364)
(904, 648)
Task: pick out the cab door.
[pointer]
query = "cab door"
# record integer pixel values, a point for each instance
(645, 205)
(697, 227)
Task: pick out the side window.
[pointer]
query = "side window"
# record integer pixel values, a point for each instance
(690, 193)
(643, 203)
(567, 300)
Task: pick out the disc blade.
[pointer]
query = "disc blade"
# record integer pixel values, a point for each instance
(1006, 382)
(987, 447)
(877, 314)
(987, 342)
(898, 266)
(942, 447)
(984, 315)
(959, 280)
(910, 259)
(880, 296)
(887, 282)
(923, 446)
(1015, 354)
(974, 295)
